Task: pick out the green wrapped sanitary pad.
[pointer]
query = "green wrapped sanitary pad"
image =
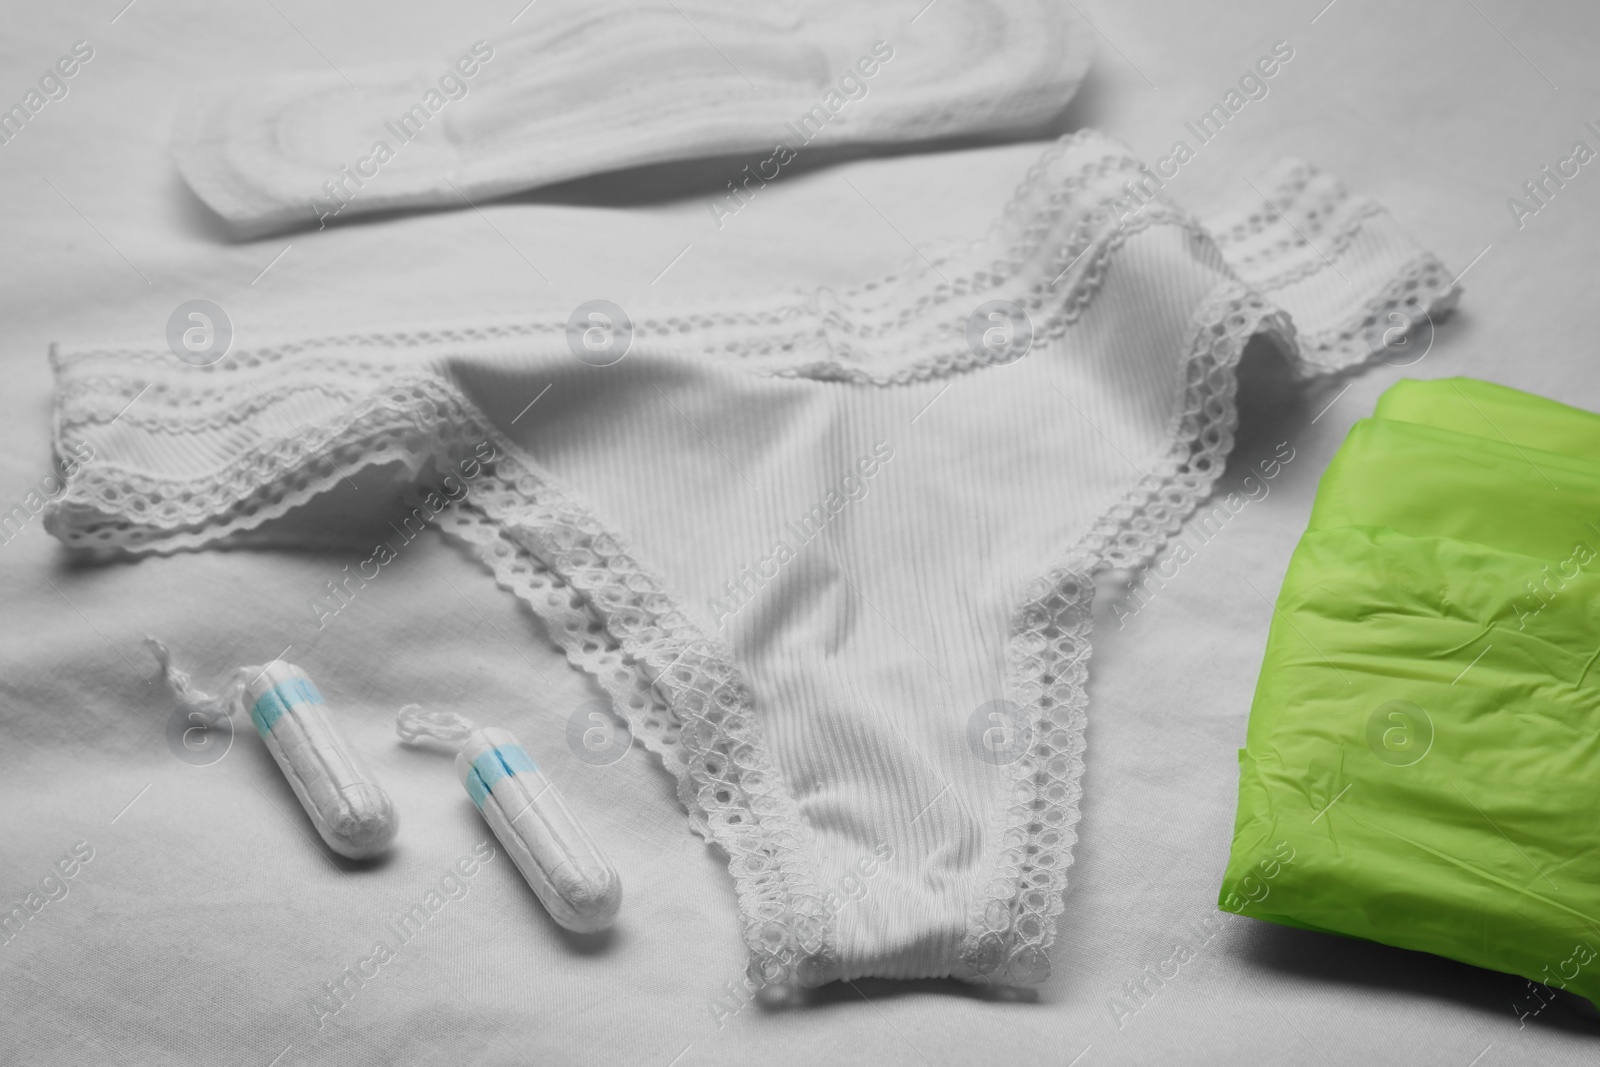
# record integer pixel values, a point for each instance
(1422, 766)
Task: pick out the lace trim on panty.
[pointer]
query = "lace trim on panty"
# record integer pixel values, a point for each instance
(110, 508)
(1293, 187)
(1422, 291)
(163, 408)
(1011, 925)
(1093, 244)
(1306, 223)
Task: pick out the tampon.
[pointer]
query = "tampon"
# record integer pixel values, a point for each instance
(568, 873)
(346, 804)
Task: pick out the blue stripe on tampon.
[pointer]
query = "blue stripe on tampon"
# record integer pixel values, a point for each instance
(476, 789)
(272, 704)
(493, 765)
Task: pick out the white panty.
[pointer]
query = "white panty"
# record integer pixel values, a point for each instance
(832, 558)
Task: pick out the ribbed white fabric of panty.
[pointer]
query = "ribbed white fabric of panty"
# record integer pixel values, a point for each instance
(833, 564)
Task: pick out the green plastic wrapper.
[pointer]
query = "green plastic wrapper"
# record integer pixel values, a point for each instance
(1422, 766)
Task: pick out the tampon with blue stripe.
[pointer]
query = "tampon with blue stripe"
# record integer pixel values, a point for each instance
(574, 881)
(346, 804)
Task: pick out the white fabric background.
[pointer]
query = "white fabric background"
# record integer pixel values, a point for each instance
(205, 921)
